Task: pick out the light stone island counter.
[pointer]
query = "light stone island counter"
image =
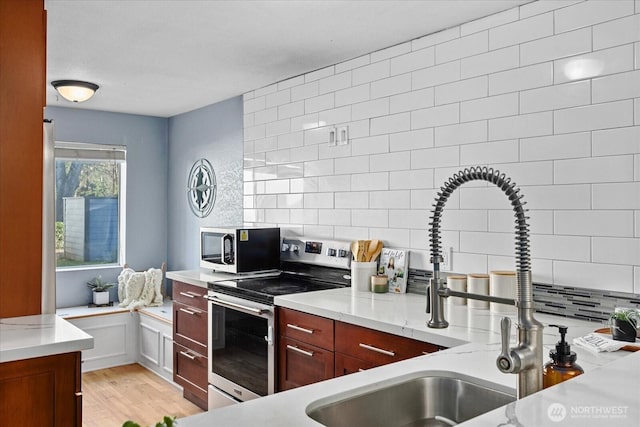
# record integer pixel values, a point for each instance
(607, 394)
(27, 337)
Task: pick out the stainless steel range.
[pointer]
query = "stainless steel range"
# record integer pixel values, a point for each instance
(242, 329)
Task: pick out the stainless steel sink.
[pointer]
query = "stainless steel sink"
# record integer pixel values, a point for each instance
(420, 400)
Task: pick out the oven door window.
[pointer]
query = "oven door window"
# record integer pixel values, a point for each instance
(239, 349)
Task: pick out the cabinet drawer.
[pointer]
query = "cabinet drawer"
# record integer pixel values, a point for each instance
(302, 364)
(190, 295)
(190, 368)
(346, 365)
(308, 328)
(190, 327)
(377, 347)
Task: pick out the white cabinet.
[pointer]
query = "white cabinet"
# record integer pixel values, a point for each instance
(115, 338)
(156, 345)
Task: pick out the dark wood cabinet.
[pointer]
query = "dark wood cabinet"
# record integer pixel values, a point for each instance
(43, 391)
(190, 356)
(313, 348)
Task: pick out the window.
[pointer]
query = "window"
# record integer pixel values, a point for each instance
(89, 204)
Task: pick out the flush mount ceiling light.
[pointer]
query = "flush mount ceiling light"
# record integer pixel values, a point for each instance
(75, 90)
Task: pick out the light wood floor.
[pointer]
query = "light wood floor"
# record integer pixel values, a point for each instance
(131, 392)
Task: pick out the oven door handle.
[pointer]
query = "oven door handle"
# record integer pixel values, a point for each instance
(217, 301)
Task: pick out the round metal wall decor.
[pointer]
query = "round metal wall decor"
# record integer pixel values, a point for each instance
(201, 188)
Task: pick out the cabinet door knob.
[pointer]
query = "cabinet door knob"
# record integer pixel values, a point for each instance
(377, 350)
(300, 328)
(299, 350)
(188, 355)
(191, 312)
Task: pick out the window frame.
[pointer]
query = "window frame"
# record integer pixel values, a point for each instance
(70, 151)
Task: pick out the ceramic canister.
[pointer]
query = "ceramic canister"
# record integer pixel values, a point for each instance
(502, 284)
(361, 273)
(478, 283)
(457, 283)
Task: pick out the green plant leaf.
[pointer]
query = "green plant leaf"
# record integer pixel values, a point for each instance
(130, 424)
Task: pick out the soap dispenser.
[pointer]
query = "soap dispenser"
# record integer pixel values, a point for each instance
(562, 365)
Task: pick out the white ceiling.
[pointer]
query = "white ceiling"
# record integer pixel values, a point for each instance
(166, 57)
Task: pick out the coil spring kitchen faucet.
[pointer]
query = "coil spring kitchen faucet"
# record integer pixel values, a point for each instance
(526, 358)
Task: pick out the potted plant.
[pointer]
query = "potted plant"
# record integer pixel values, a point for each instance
(623, 324)
(166, 422)
(100, 290)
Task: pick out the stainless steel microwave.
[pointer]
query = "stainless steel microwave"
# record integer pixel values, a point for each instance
(240, 249)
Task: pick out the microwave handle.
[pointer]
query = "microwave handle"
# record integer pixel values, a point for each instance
(223, 251)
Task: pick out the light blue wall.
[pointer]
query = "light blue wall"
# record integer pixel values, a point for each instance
(147, 144)
(214, 133)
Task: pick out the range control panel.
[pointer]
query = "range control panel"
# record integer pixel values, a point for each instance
(329, 253)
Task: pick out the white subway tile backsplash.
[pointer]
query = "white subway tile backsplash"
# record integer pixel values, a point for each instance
(368, 109)
(319, 103)
(291, 110)
(318, 168)
(353, 63)
(462, 90)
(435, 116)
(376, 181)
(617, 86)
(393, 199)
(555, 97)
(357, 164)
(307, 90)
(596, 169)
(413, 61)
(521, 31)
(352, 95)
(370, 145)
(465, 220)
(411, 140)
(488, 152)
(567, 146)
(398, 160)
(462, 47)
(604, 277)
(489, 107)
(370, 218)
(590, 13)
(435, 157)
(334, 217)
(419, 178)
(391, 86)
(599, 63)
(464, 133)
(505, 91)
(278, 98)
(490, 21)
(490, 62)
(290, 201)
(369, 73)
(558, 46)
(577, 196)
(390, 124)
(522, 126)
(616, 196)
(594, 223)
(592, 117)
(521, 78)
(436, 38)
(334, 83)
(318, 200)
(413, 100)
(352, 200)
(303, 216)
(570, 248)
(617, 32)
(319, 74)
(433, 76)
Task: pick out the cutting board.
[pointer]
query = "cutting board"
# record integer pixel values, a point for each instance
(629, 347)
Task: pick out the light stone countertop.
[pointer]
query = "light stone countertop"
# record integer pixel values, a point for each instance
(40, 335)
(199, 277)
(474, 335)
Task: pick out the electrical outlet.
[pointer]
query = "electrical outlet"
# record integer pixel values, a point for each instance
(333, 137)
(447, 255)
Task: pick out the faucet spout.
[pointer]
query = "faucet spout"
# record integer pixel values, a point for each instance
(525, 358)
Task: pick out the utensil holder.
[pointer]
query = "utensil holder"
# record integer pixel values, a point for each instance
(361, 273)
